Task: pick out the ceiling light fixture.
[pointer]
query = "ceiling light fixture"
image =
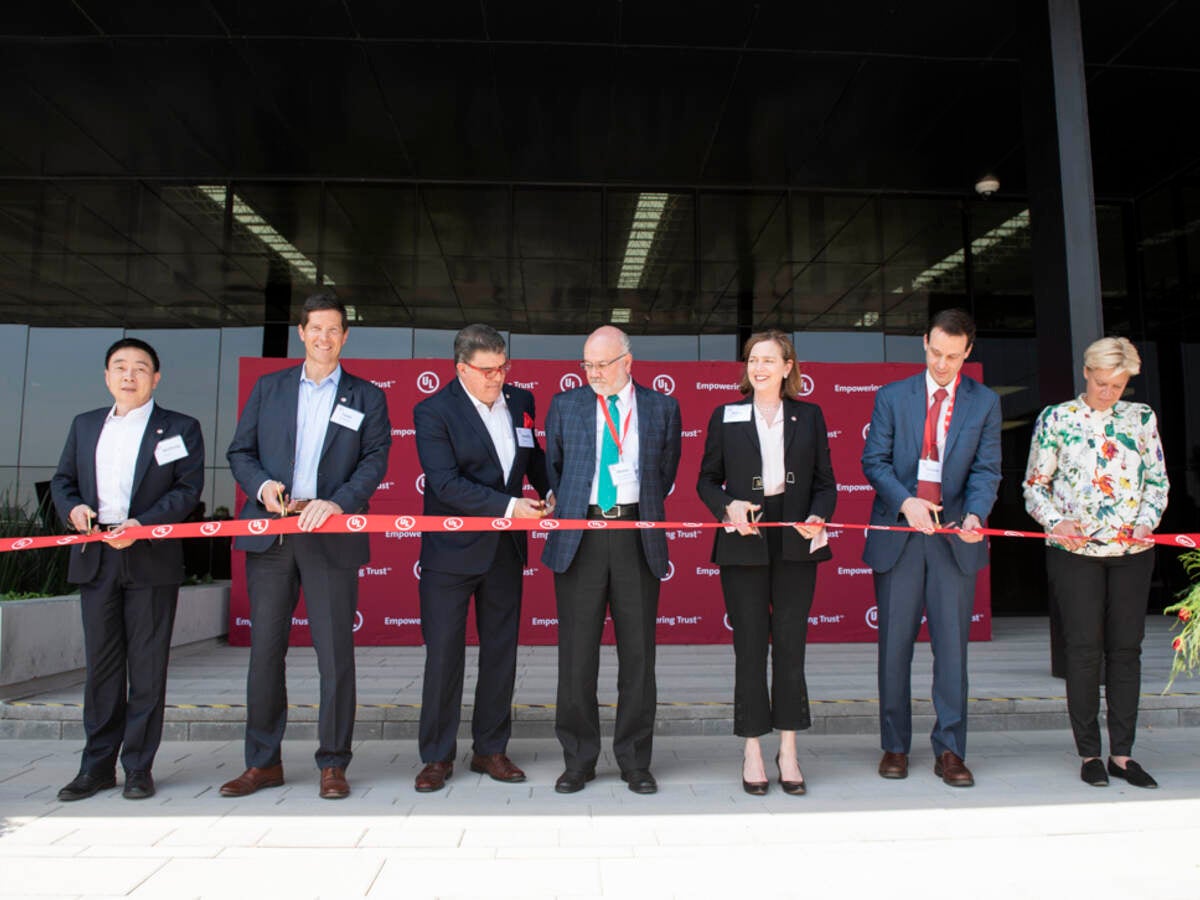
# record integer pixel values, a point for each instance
(620, 315)
(246, 216)
(647, 216)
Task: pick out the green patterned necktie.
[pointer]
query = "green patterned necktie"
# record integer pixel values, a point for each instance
(606, 494)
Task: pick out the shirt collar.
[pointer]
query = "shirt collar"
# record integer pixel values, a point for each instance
(483, 408)
(931, 386)
(625, 395)
(141, 413)
(1099, 414)
(334, 377)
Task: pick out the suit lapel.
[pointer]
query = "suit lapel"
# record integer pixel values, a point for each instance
(155, 429)
(588, 411)
(962, 409)
(748, 429)
(289, 406)
(90, 439)
(471, 415)
(916, 415)
(513, 413)
(347, 395)
(791, 426)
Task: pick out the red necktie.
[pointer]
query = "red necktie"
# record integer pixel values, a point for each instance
(932, 490)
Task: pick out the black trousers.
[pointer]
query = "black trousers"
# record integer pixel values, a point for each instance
(768, 609)
(274, 578)
(445, 599)
(1103, 604)
(127, 644)
(608, 575)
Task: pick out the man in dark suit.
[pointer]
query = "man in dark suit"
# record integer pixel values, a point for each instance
(135, 463)
(934, 446)
(312, 440)
(612, 449)
(476, 443)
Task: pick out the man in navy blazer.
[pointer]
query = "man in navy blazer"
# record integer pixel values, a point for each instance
(476, 443)
(134, 463)
(312, 440)
(933, 446)
(612, 450)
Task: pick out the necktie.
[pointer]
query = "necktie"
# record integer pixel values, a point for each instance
(932, 490)
(606, 493)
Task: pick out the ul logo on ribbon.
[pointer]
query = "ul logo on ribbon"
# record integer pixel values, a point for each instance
(68, 539)
(162, 531)
(428, 382)
(356, 523)
(257, 526)
(208, 529)
(664, 384)
(549, 524)
(570, 381)
(501, 524)
(404, 523)
(452, 524)
(596, 523)
(21, 544)
(1184, 541)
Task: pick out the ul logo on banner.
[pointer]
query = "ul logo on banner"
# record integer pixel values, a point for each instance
(664, 384)
(358, 620)
(806, 385)
(428, 382)
(421, 484)
(417, 570)
(670, 572)
(866, 430)
(570, 381)
(873, 617)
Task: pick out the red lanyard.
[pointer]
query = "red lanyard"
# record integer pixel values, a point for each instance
(612, 428)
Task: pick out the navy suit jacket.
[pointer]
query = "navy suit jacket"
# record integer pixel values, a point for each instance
(733, 460)
(970, 465)
(351, 465)
(161, 494)
(463, 476)
(571, 466)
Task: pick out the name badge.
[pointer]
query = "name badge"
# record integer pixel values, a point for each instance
(929, 470)
(623, 473)
(524, 437)
(346, 417)
(739, 412)
(170, 449)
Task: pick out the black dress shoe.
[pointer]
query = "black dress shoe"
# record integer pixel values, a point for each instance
(795, 788)
(572, 781)
(755, 788)
(87, 785)
(640, 781)
(138, 786)
(1092, 773)
(1133, 773)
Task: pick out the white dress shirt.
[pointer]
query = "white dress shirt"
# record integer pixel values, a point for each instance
(770, 440)
(628, 492)
(498, 422)
(116, 458)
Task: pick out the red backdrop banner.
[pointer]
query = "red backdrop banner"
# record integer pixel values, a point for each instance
(691, 610)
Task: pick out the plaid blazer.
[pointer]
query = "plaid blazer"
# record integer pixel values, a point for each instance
(571, 466)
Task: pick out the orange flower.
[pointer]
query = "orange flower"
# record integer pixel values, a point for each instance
(1104, 483)
(1185, 614)
(1108, 449)
(1177, 645)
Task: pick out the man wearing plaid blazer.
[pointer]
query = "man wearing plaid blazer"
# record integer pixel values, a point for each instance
(612, 449)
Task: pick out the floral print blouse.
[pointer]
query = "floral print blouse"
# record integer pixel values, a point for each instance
(1102, 469)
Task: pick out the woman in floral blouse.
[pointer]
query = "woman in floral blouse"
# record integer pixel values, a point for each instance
(1096, 482)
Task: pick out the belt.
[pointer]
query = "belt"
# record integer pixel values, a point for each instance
(620, 511)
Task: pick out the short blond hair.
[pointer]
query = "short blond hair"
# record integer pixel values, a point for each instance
(1113, 353)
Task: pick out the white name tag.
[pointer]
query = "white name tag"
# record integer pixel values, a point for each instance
(524, 437)
(346, 417)
(739, 413)
(170, 449)
(623, 473)
(929, 470)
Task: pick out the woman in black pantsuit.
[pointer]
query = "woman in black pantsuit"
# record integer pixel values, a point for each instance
(767, 457)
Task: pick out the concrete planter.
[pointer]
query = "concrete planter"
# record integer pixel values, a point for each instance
(44, 637)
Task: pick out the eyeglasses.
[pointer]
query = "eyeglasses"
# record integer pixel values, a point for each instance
(491, 371)
(598, 367)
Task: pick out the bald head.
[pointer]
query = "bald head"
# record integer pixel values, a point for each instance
(607, 360)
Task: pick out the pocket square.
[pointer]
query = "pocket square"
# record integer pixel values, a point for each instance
(528, 421)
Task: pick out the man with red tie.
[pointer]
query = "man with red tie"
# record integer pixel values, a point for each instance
(933, 448)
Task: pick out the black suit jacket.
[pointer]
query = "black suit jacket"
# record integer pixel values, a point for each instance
(733, 459)
(161, 495)
(352, 462)
(463, 476)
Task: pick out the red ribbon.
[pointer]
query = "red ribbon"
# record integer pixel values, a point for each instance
(378, 524)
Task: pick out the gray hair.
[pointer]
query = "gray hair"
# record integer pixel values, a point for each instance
(473, 338)
(1113, 353)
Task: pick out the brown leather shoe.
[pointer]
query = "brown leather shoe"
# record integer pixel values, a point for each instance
(433, 777)
(334, 785)
(498, 767)
(894, 765)
(952, 770)
(253, 779)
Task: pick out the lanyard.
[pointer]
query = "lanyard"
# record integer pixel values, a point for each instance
(612, 428)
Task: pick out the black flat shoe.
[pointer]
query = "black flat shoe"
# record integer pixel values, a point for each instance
(572, 781)
(795, 788)
(1092, 773)
(138, 786)
(1133, 773)
(640, 781)
(87, 785)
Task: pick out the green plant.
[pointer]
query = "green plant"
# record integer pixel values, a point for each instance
(1187, 611)
(30, 573)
